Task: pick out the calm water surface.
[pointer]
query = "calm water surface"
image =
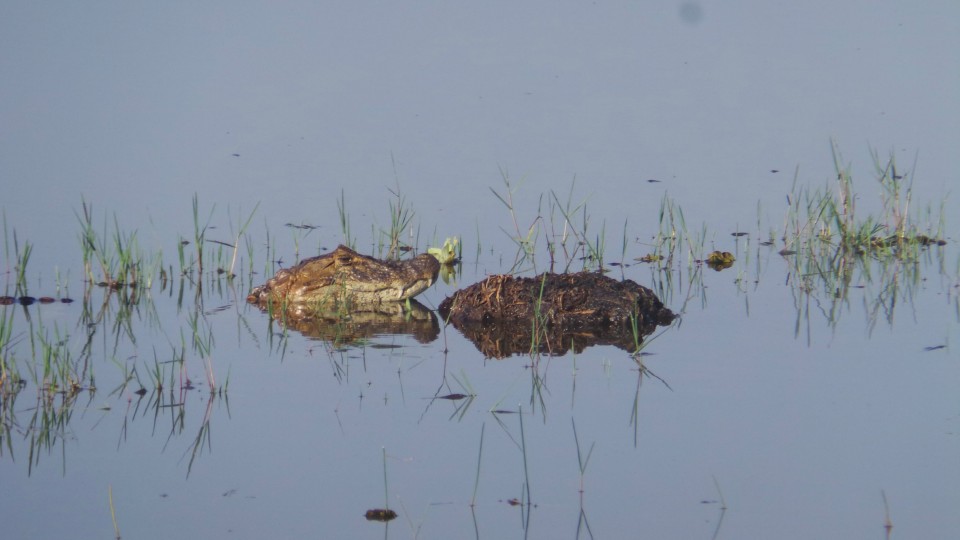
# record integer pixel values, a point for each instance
(777, 410)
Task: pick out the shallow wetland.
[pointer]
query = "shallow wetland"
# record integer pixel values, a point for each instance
(804, 365)
(782, 177)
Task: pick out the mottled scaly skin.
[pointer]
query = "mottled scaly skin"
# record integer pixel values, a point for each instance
(346, 277)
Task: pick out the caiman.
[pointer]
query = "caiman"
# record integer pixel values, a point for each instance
(345, 278)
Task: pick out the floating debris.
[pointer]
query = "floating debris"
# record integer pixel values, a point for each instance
(448, 253)
(894, 240)
(302, 226)
(30, 300)
(720, 260)
(380, 514)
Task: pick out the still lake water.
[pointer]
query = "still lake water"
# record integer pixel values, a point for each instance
(793, 410)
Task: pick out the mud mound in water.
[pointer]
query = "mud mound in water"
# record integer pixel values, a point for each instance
(505, 315)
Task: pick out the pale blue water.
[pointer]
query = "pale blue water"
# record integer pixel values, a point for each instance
(802, 424)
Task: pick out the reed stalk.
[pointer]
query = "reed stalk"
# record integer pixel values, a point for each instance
(523, 448)
(241, 232)
(476, 480)
(113, 512)
(386, 496)
(345, 221)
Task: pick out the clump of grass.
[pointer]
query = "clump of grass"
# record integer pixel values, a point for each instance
(56, 373)
(673, 250)
(591, 252)
(121, 261)
(825, 222)
(217, 255)
(526, 242)
(112, 258)
(401, 216)
(242, 226)
(9, 376)
(673, 237)
(388, 240)
(832, 245)
(10, 379)
(89, 242)
(22, 258)
(565, 230)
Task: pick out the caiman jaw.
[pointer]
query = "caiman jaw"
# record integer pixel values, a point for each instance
(415, 288)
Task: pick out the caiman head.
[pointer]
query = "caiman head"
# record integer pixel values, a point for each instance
(344, 275)
(422, 273)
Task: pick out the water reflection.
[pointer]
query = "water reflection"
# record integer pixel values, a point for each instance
(501, 339)
(63, 368)
(169, 407)
(43, 428)
(823, 284)
(355, 328)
